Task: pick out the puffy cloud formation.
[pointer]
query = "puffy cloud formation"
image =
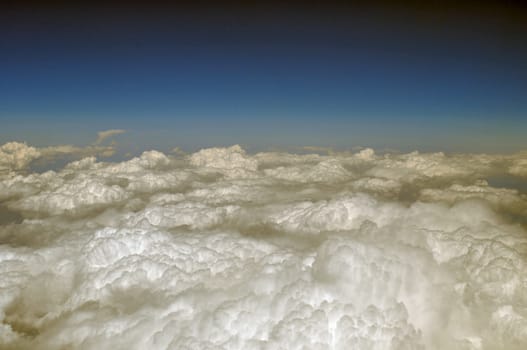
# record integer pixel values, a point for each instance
(16, 156)
(221, 249)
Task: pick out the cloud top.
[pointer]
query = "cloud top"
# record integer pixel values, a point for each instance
(222, 249)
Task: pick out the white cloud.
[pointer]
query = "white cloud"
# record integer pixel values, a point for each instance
(226, 250)
(506, 199)
(16, 155)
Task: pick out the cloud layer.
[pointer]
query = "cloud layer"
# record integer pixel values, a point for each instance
(224, 250)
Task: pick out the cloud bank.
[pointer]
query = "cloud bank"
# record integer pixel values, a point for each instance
(224, 250)
(17, 156)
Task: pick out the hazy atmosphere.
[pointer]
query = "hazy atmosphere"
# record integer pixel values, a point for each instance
(230, 175)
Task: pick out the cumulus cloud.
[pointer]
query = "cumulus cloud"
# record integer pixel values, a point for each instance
(222, 249)
(15, 156)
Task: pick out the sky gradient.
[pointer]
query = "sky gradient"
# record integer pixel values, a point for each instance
(407, 76)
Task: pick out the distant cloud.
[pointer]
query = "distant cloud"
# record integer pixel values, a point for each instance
(18, 155)
(103, 135)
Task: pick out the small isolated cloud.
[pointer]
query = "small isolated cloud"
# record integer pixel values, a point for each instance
(222, 249)
(103, 135)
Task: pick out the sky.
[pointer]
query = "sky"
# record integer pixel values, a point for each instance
(387, 75)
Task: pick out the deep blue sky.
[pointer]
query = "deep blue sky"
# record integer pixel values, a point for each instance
(439, 77)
